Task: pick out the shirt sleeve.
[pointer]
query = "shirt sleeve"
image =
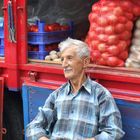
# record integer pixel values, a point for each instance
(110, 125)
(37, 128)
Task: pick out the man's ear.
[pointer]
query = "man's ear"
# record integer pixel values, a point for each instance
(86, 62)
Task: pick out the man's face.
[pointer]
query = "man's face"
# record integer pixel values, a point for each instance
(72, 64)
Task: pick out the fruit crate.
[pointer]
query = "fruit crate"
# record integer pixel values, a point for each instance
(40, 51)
(42, 37)
(37, 54)
(1, 51)
(1, 39)
(1, 35)
(1, 31)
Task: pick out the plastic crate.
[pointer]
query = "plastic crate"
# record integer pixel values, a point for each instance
(40, 54)
(1, 28)
(1, 36)
(1, 50)
(37, 54)
(1, 41)
(42, 37)
(1, 33)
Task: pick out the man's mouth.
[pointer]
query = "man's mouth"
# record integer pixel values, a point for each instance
(67, 69)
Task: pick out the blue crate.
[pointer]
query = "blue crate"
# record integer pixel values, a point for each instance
(37, 54)
(42, 37)
(1, 41)
(1, 36)
(1, 50)
(40, 54)
(1, 28)
(1, 32)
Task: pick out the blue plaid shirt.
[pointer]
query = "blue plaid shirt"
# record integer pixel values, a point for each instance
(91, 112)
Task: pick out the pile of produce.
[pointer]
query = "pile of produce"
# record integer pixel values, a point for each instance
(109, 35)
(134, 56)
(53, 56)
(49, 27)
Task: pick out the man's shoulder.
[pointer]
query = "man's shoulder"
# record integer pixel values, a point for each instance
(99, 88)
(95, 84)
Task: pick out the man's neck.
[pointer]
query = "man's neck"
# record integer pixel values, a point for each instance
(77, 83)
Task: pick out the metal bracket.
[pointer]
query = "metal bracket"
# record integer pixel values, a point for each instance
(32, 75)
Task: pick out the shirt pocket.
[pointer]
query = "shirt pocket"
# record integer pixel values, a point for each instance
(90, 113)
(62, 108)
(90, 121)
(86, 130)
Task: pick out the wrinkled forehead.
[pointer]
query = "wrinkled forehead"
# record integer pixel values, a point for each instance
(70, 49)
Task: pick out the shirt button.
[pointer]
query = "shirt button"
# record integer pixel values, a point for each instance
(72, 111)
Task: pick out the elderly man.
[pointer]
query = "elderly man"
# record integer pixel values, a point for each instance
(81, 109)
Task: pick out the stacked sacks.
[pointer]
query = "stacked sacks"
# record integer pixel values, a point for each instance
(109, 35)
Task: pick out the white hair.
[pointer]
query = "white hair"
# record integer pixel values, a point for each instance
(82, 47)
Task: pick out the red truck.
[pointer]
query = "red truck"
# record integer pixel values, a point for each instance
(26, 83)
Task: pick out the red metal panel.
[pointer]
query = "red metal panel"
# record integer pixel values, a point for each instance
(22, 31)
(41, 85)
(12, 51)
(1, 105)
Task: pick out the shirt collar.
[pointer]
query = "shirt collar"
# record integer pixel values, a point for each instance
(68, 90)
(86, 85)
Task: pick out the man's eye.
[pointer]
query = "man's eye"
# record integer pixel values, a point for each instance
(62, 59)
(70, 58)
